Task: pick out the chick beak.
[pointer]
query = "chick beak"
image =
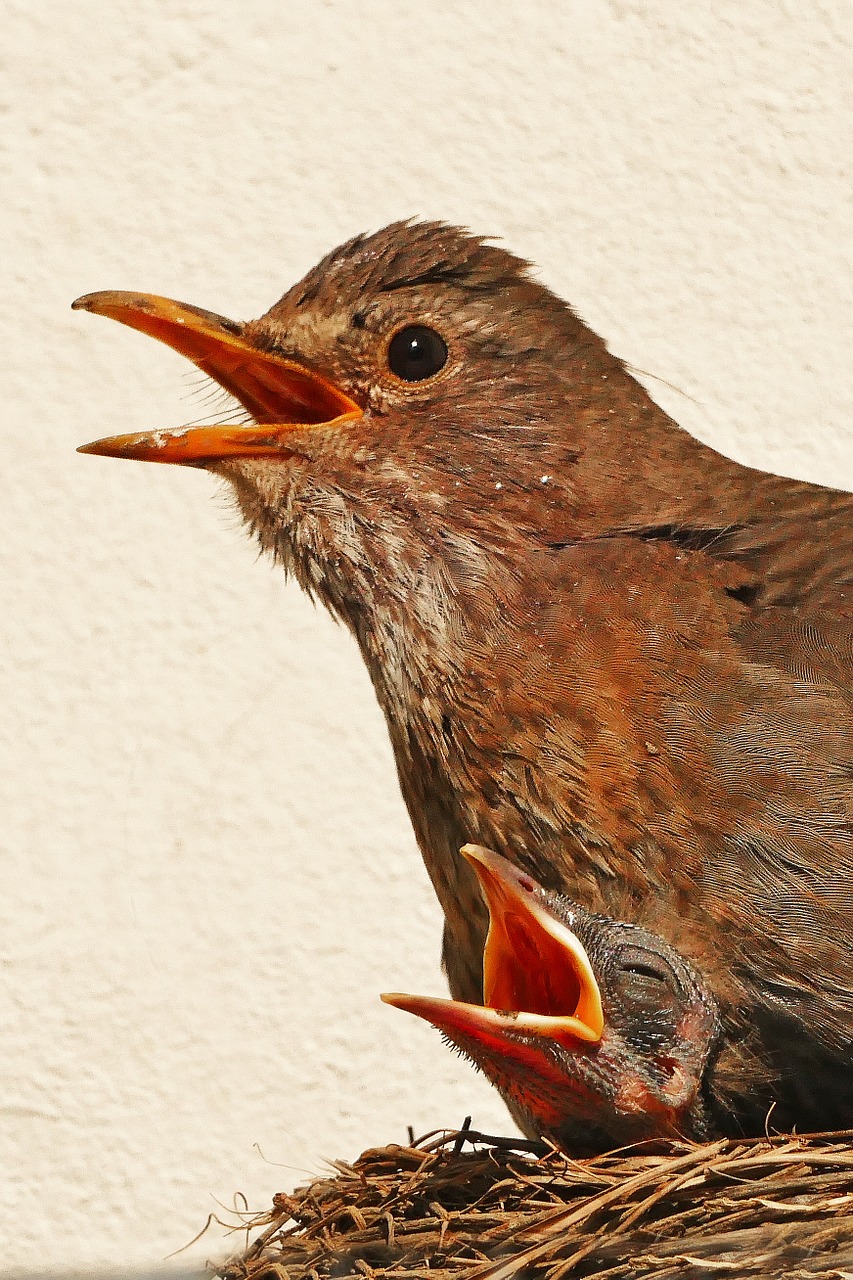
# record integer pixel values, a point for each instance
(280, 394)
(537, 977)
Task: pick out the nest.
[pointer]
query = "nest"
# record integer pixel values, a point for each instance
(464, 1206)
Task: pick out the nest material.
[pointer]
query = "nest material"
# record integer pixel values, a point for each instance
(780, 1207)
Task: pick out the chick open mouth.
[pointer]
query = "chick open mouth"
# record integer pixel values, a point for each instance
(281, 395)
(537, 977)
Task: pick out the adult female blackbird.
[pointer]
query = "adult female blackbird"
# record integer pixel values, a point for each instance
(601, 648)
(597, 1032)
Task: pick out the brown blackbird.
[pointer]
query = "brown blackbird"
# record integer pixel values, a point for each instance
(601, 648)
(597, 1032)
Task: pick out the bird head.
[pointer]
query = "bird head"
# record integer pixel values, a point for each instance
(595, 1030)
(417, 388)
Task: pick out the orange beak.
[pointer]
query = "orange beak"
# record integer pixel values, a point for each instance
(537, 977)
(280, 394)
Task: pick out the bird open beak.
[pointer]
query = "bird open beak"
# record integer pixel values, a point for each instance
(537, 977)
(281, 395)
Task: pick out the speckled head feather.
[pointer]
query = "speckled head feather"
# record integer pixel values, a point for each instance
(404, 255)
(436, 271)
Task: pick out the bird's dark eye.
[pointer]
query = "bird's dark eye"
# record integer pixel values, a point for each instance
(416, 353)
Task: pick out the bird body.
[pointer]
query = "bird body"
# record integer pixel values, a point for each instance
(601, 648)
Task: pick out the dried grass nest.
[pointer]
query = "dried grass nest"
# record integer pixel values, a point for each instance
(463, 1205)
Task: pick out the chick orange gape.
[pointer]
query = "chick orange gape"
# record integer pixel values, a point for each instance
(602, 649)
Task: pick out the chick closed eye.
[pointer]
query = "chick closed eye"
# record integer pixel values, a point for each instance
(647, 983)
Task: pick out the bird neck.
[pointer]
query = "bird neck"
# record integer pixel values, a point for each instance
(637, 469)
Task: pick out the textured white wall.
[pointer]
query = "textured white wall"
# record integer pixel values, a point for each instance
(208, 874)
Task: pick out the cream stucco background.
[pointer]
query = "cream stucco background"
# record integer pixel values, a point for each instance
(208, 874)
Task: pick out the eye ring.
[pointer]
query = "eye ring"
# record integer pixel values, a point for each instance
(416, 353)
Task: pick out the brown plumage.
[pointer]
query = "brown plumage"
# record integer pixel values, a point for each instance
(601, 648)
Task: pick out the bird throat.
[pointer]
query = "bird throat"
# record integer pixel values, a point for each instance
(420, 620)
